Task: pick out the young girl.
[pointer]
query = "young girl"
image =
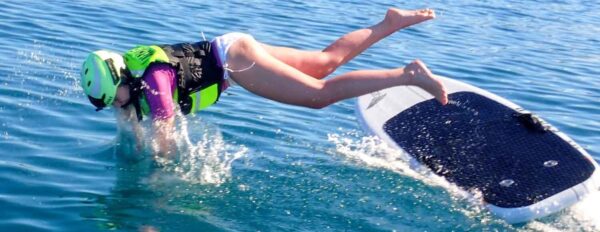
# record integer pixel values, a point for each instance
(155, 79)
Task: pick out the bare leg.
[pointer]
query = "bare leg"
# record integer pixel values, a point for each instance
(275, 80)
(319, 64)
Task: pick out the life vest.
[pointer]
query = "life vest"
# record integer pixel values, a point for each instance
(199, 76)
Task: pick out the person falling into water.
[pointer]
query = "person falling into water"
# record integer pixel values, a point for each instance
(157, 80)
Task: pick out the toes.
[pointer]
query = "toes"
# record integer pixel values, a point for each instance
(421, 65)
(427, 12)
(443, 93)
(444, 96)
(444, 101)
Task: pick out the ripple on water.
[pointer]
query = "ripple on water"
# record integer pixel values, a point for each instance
(271, 167)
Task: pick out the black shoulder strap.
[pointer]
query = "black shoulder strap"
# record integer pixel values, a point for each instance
(135, 93)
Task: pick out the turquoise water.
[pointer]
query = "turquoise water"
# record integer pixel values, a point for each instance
(249, 164)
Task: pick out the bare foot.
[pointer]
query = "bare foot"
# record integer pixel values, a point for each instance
(419, 75)
(399, 19)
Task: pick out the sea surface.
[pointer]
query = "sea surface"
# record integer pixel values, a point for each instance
(250, 164)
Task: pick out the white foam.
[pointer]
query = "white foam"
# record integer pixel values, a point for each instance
(373, 152)
(583, 216)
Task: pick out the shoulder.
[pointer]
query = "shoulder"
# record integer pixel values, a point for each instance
(159, 73)
(160, 69)
(160, 79)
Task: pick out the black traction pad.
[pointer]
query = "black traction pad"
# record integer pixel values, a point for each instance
(478, 143)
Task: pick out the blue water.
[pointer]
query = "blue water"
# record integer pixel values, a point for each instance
(249, 164)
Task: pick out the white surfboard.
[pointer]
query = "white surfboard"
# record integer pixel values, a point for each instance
(523, 167)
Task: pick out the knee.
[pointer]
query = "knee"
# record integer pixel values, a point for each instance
(328, 63)
(330, 60)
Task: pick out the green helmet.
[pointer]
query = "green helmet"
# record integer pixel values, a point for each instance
(101, 74)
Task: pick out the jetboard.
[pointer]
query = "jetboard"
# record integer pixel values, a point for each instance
(522, 167)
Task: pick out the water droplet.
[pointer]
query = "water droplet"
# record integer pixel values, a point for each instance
(507, 183)
(550, 163)
(243, 187)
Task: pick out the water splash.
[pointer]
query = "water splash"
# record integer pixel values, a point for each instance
(207, 161)
(583, 216)
(43, 62)
(586, 213)
(373, 152)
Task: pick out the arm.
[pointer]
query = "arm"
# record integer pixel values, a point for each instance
(163, 135)
(139, 134)
(160, 80)
(127, 121)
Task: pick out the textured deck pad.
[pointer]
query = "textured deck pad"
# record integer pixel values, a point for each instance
(479, 143)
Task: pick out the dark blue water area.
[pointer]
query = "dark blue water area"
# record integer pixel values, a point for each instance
(257, 165)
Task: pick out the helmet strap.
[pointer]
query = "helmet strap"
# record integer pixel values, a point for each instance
(127, 78)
